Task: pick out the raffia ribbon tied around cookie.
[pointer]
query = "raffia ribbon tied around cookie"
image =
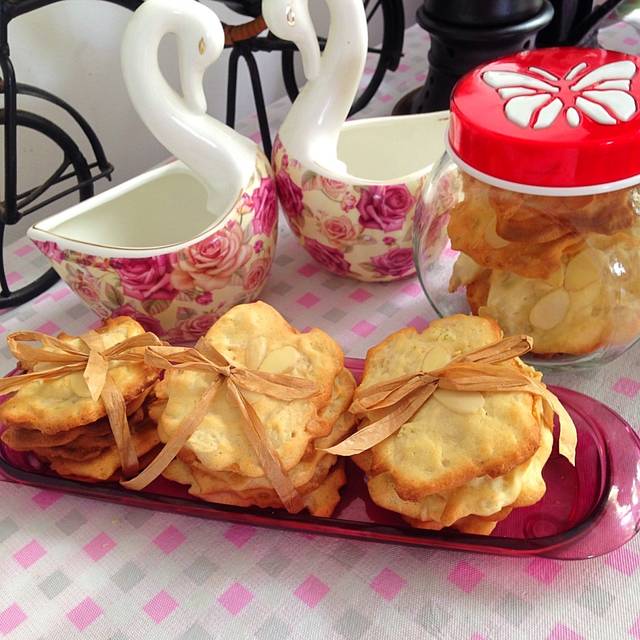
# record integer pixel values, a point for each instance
(58, 359)
(204, 357)
(479, 370)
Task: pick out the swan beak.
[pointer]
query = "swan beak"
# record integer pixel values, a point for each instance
(290, 20)
(193, 90)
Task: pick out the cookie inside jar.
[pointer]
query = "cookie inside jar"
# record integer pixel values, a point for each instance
(542, 203)
(573, 285)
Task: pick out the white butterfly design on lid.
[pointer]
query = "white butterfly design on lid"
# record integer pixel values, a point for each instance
(562, 121)
(602, 94)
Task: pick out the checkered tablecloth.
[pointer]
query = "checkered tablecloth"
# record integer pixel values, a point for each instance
(76, 568)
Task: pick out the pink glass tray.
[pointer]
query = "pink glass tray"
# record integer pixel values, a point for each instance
(587, 511)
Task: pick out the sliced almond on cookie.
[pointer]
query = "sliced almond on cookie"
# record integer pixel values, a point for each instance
(583, 270)
(256, 352)
(550, 310)
(556, 279)
(435, 358)
(463, 402)
(78, 385)
(281, 360)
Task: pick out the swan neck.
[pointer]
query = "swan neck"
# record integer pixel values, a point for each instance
(222, 159)
(346, 47)
(315, 120)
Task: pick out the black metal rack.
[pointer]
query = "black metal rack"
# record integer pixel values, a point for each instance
(75, 174)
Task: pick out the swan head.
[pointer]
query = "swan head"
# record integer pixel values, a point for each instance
(199, 35)
(290, 20)
(200, 38)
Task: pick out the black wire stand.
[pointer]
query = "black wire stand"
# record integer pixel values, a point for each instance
(75, 174)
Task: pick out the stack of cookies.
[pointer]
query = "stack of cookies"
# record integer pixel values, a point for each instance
(466, 458)
(218, 461)
(564, 270)
(56, 420)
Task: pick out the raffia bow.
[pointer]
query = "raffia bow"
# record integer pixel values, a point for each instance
(479, 370)
(93, 360)
(204, 357)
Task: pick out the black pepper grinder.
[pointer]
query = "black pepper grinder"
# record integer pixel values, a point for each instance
(466, 33)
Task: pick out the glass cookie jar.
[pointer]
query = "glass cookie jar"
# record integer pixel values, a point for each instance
(532, 217)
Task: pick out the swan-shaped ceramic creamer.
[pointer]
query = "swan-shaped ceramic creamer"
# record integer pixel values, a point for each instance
(178, 245)
(349, 190)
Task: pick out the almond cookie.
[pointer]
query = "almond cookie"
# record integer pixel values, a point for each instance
(105, 466)
(255, 336)
(472, 229)
(460, 458)
(62, 404)
(301, 473)
(320, 501)
(483, 496)
(523, 217)
(492, 432)
(587, 304)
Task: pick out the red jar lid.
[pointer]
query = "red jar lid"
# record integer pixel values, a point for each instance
(562, 121)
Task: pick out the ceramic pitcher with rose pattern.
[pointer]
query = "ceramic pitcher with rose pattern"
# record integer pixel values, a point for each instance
(349, 190)
(178, 245)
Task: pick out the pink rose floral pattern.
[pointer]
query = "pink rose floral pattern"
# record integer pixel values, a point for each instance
(339, 230)
(51, 250)
(179, 295)
(190, 329)
(384, 207)
(257, 275)
(265, 207)
(395, 263)
(84, 285)
(330, 258)
(290, 194)
(432, 218)
(146, 278)
(210, 264)
(359, 231)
